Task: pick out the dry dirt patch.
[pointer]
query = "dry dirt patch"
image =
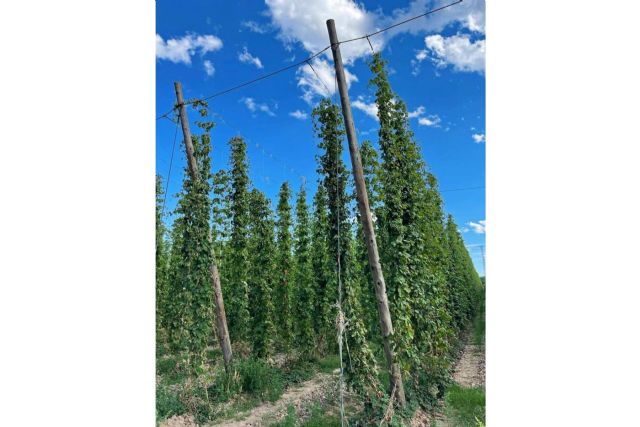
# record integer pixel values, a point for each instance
(470, 369)
(300, 397)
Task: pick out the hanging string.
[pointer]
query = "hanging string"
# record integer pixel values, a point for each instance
(319, 79)
(340, 318)
(173, 149)
(370, 45)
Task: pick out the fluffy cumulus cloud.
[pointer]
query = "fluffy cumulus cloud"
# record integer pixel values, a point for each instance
(478, 227)
(417, 112)
(478, 138)
(369, 108)
(254, 106)
(209, 68)
(458, 51)
(300, 115)
(432, 121)
(321, 85)
(182, 49)
(304, 22)
(469, 14)
(246, 58)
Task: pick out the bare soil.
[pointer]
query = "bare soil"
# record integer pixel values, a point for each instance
(180, 421)
(301, 397)
(469, 371)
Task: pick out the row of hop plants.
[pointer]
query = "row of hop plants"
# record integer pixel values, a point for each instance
(279, 269)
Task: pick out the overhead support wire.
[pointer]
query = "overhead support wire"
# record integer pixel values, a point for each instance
(463, 189)
(308, 59)
(366, 36)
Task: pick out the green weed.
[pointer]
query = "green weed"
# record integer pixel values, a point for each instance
(298, 371)
(319, 418)
(260, 379)
(329, 363)
(465, 405)
(168, 403)
(289, 421)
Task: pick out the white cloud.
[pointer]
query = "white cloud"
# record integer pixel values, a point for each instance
(478, 227)
(468, 13)
(255, 27)
(370, 109)
(417, 112)
(325, 86)
(475, 22)
(300, 115)
(478, 138)
(253, 106)
(209, 68)
(247, 58)
(431, 120)
(304, 22)
(458, 51)
(182, 49)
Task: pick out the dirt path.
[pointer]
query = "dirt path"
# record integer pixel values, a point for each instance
(469, 371)
(301, 397)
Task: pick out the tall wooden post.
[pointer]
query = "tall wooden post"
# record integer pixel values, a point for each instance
(221, 317)
(386, 326)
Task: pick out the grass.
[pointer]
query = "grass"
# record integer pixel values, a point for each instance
(260, 379)
(298, 371)
(170, 371)
(290, 420)
(168, 403)
(318, 418)
(479, 329)
(329, 363)
(212, 394)
(466, 406)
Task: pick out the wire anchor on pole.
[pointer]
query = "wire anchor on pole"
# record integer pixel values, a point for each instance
(370, 45)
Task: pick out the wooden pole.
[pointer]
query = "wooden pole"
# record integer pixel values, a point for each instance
(221, 317)
(386, 326)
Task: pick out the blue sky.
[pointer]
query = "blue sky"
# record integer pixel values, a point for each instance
(436, 66)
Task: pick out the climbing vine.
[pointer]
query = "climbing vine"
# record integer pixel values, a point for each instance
(303, 278)
(285, 266)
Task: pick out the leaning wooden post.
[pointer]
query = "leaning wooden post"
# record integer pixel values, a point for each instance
(221, 317)
(386, 326)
